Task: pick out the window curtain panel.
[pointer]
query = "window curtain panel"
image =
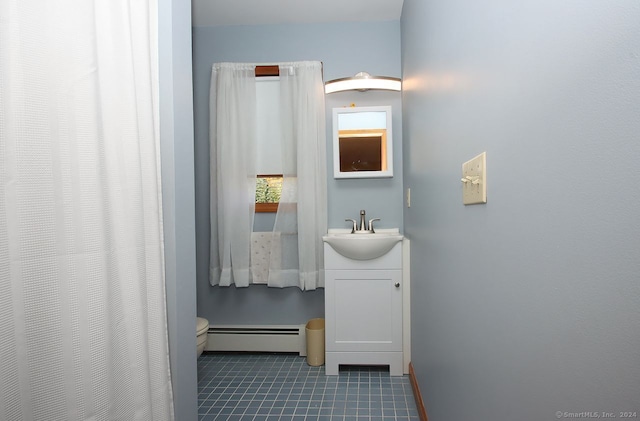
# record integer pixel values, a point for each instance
(233, 172)
(82, 295)
(301, 220)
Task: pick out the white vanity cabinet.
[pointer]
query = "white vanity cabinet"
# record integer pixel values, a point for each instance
(363, 311)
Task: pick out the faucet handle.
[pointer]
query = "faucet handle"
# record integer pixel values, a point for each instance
(355, 224)
(371, 224)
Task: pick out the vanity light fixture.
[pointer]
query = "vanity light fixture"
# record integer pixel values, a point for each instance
(363, 81)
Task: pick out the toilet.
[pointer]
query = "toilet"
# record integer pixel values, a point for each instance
(202, 329)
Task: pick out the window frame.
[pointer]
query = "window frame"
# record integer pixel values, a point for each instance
(267, 207)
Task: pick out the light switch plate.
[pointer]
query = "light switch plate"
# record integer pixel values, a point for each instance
(474, 180)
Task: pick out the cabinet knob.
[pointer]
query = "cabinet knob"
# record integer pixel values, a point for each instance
(397, 284)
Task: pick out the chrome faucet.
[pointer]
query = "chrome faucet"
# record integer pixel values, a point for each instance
(355, 225)
(363, 223)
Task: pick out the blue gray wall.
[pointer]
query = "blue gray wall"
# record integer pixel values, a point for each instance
(178, 202)
(344, 49)
(530, 304)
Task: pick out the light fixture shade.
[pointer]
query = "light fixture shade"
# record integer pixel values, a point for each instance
(363, 82)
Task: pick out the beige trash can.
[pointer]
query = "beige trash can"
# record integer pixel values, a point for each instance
(315, 342)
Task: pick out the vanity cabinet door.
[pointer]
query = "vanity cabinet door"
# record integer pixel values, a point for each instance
(363, 310)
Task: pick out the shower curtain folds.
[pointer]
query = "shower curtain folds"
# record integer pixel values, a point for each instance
(82, 294)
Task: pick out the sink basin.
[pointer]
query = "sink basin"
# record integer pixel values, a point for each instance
(362, 246)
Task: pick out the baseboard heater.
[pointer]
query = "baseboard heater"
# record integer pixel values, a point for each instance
(257, 338)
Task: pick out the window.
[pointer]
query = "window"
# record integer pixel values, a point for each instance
(268, 190)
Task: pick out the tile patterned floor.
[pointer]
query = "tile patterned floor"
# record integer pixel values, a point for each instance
(266, 387)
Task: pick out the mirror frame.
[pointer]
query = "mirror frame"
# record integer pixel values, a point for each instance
(388, 147)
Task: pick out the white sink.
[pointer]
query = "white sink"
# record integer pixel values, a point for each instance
(362, 246)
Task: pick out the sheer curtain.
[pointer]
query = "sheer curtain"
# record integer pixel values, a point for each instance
(82, 297)
(233, 171)
(301, 220)
(296, 256)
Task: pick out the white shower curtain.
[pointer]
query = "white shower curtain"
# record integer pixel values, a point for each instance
(82, 299)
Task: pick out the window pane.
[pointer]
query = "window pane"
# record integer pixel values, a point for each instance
(268, 126)
(268, 188)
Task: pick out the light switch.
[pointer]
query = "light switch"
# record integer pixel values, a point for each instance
(474, 180)
(408, 197)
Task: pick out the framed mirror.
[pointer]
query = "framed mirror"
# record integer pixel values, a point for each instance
(362, 142)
